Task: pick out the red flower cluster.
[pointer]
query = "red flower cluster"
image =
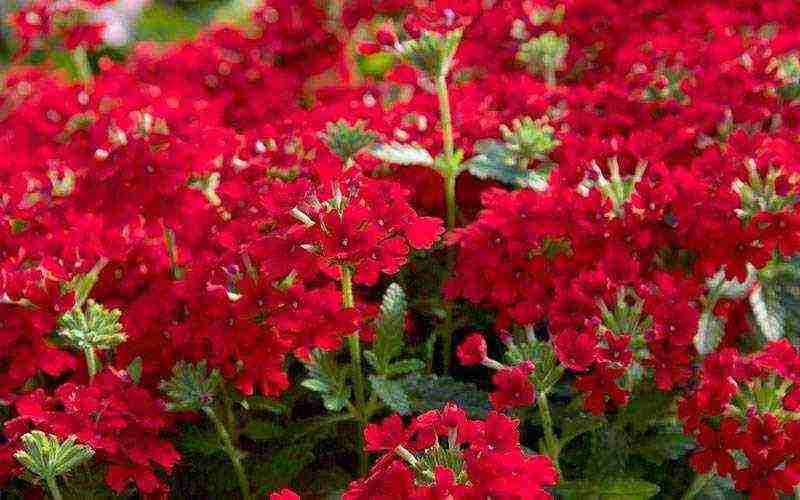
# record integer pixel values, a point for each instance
(480, 459)
(747, 405)
(119, 420)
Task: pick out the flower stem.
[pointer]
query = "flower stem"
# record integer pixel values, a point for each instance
(53, 487)
(92, 363)
(448, 150)
(450, 174)
(355, 362)
(231, 451)
(551, 443)
(700, 482)
(81, 60)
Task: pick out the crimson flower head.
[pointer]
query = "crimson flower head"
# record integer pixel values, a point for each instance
(370, 230)
(472, 350)
(513, 388)
(484, 461)
(576, 351)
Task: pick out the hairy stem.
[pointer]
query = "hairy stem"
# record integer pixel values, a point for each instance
(92, 363)
(82, 66)
(231, 451)
(355, 362)
(553, 448)
(53, 487)
(700, 482)
(450, 175)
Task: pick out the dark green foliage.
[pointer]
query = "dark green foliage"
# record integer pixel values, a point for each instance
(427, 392)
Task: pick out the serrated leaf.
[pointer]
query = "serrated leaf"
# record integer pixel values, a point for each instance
(391, 392)
(405, 366)
(663, 446)
(496, 161)
(768, 313)
(731, 289)
(263, 430)
(388, 342)
(710, 330)
(328, 379)
(577, 426)
(402, 154)
(134, 370)
(613, 489)
(315, 385)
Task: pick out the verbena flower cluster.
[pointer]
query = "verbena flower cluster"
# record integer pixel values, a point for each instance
(614, 183)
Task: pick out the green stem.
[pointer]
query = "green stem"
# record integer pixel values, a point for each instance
(229, 414)
(450, 175)
(553, 448)
(231, 451)
(445, 117)
(92, 363)
(82, 66)
(53, 487)
(550, 78)
(358, 374)
(700, 482)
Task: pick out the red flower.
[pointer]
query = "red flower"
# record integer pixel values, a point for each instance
(472, 350)
(513, 388)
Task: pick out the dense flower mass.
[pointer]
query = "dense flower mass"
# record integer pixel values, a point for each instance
(480, 459)
(595, 200)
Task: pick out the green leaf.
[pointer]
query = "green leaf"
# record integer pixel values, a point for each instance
(405, 366)
(315, 385)
(48, 457)
(134, 370)
(431, 392)
(388, 342)
(613, 489)
(391, 392)
(346, 140)
(95, 328)
(577, 426)
(768, 313)
(496, 161)
(663, 446)
(263, 430)
(402, 154)
(432, 52)
(709, 332)
(328, 379)
(376, 65)
(710, 328)
(191, 387)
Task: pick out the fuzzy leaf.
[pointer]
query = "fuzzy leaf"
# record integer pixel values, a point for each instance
(47, 457)
(328, 379)
(405, 366)
(432, 53)
(768, 313)
(191, 387)
(347, 140)
(134, 370)
(613, 489)
(94, 328)
(402, 154)
(498, 162)
(709, 332)
(392, 393)
(577, 426)
(388, 342)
